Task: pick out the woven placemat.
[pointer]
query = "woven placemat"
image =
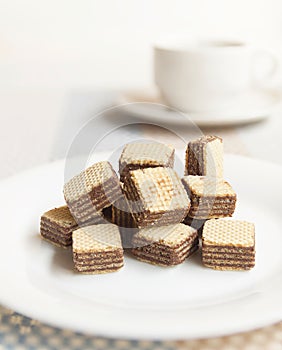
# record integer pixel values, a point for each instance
(21, 333)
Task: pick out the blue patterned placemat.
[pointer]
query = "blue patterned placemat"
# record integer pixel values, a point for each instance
(18, 332)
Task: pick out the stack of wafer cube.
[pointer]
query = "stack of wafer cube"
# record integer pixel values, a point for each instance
(151, 212)
(226, 244)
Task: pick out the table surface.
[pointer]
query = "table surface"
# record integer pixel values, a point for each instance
(42, 125)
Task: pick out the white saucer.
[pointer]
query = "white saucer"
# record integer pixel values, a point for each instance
(251, 107)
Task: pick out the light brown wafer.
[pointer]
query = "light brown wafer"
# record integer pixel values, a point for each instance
(156, 196)
(228, 244)
(228, 232)
(143, 155)
(204, 156)
(57, 225)
(97, 249)
(94, 189)
(210, 197)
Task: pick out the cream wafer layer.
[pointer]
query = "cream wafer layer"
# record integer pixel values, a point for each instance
(172, 235)
(140, 155)
(156, 194)
(99, 270)
(98, 262)
(204, 156)
(60, 216)
(95, 238)
(84, 183)
(224, 232)
(230, 267)
(204, 186)
(213, 158)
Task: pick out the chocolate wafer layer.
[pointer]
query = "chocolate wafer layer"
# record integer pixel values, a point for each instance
(198, 224)
(122, 215)
(228, 244)
(210, 197)
(156, 196)
(57, 225)
(124, 219)
(90, 192)
(166, 245)
(97, 249)
(204, 157)
(144, 155)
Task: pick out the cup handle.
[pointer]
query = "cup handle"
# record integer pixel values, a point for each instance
(270, 72)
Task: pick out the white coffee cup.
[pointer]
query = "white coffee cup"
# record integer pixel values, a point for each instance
(205, 75)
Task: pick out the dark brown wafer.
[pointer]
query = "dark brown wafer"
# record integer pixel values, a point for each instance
(57, 225)
(165, 246)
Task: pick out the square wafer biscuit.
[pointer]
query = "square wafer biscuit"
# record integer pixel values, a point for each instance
(57, 225)
(228, 244)
(204, 157)
(166, 245)
(210, 197)
(88, 193)
(97, 249)
(144, 155)
(156, 196)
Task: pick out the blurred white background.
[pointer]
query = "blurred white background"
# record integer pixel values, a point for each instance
(63, 61)
(59, 43)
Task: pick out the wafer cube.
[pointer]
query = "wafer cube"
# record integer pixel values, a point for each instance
(156, 196)
(204, 156)
(144, 155)
(210, 197)
(97, 249)
(88, 193)
(57, 225)
(166, 245)
(228, 244)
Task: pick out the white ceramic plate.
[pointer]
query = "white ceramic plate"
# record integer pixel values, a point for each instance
(141, 301)
(251, 107)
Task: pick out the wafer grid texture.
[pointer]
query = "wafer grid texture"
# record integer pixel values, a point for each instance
(156, 196)
(93, 190)
(57, 225)
(210, 197)
(143, 155)
(97, 249)
(228, 244)
(204, 157)
(165, 246)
